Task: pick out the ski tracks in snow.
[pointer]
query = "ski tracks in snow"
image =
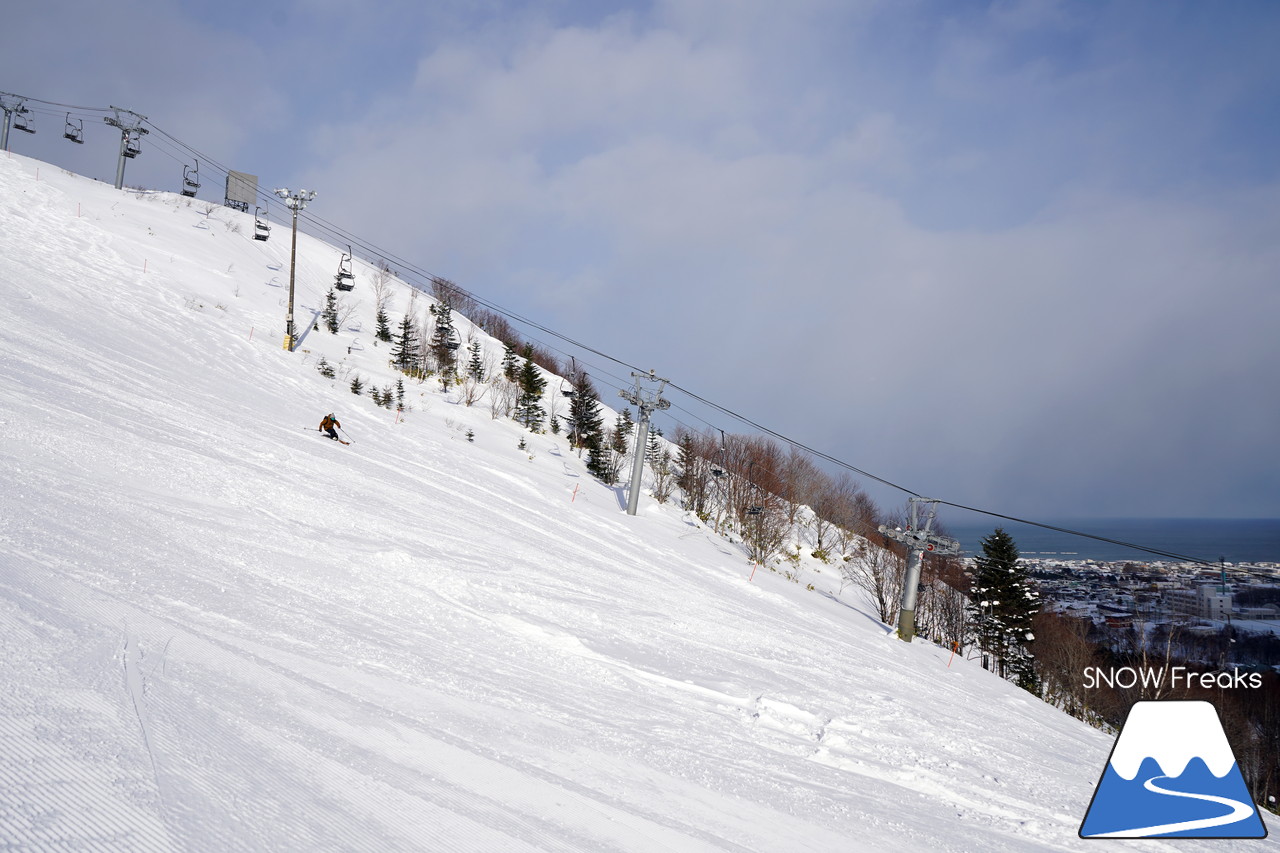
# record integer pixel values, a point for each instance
(131, 660)
(71, 777)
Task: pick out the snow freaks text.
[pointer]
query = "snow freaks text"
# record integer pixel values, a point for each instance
(1173, 677)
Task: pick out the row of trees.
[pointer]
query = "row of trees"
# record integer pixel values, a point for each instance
(750, 487)
(743, 486)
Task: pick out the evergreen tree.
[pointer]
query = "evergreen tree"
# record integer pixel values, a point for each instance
(444, 344)
(1002, 608)
(585, 424)
(653, 448)
(619, 443)
(357, 386)
(475, 367)
(529, 410)
(623, 427)
(404, 355)
(383, 325)
(509, 362)
(330, 312)
(600, 459)
(586, 427)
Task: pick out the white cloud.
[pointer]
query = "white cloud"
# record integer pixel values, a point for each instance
(948, 247)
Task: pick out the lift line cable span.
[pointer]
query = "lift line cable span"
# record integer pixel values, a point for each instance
(325, 226)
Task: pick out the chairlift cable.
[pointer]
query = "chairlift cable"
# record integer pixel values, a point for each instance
(391, 257)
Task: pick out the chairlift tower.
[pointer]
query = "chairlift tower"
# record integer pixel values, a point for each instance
(919, 539)
(295, 201)
(646, 401)
(12, 105)
(131, 133)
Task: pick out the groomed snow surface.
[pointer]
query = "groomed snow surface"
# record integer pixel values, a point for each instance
(222, 632)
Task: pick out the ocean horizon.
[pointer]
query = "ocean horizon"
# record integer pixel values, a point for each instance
(1235, 540)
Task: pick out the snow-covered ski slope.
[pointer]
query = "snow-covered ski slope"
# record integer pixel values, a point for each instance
(221, 632)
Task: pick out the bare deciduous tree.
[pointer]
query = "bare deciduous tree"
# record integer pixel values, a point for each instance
(345, 310)
(797, 477)
(448, 293)
(764, 527)
(1063, 652)
(502, 397)
(695, 477)
(660, 464)
(471, 390)
(879, 572)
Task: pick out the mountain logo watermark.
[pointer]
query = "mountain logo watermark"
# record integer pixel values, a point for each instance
(1172, 774)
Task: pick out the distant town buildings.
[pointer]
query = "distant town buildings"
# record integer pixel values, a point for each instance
(1120, 594)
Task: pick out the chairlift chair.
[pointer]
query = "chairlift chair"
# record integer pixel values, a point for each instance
(190, 180)
(132, 147)
(345, 280)
(261, 228)
(73, 131)
(448, 336)
(20, 120)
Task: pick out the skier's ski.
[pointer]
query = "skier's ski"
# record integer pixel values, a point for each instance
(312, 429)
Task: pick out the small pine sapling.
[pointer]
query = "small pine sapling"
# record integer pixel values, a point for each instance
(330, 312)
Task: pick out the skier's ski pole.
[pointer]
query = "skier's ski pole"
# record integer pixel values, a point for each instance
(344, 432)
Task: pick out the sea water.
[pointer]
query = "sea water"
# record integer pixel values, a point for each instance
(1235, 540)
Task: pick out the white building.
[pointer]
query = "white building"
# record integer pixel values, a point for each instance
(1207, 601)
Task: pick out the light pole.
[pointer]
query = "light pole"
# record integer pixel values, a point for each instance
(296, 201)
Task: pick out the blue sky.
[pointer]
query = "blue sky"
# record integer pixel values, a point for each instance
(1017, 255)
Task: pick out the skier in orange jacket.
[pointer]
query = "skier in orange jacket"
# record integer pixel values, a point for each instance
(329, 424)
